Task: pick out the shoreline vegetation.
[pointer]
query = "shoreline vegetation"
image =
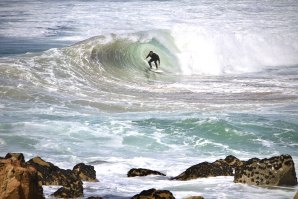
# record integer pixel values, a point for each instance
(24, 180)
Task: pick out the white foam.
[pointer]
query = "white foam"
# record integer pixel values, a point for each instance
(215, 51)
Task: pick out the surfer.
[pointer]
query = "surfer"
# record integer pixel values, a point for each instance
(154, 58)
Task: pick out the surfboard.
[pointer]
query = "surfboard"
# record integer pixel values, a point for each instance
(156, 71)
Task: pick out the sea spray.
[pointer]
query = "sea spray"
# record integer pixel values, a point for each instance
(214, 52)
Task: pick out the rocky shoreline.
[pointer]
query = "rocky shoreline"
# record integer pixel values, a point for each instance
(24, 180)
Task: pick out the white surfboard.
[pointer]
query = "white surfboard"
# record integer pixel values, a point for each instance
(156, 71)
(153, 70)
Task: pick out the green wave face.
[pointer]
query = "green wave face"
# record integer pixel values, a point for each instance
(124, 56)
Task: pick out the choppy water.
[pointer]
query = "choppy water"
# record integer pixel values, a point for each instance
(74, 87)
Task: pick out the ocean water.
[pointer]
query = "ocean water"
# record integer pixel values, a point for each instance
(74, 87)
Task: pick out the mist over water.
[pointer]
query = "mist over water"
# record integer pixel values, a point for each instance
(75, 87)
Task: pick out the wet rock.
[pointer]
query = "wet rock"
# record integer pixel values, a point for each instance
(296, 195)
(143, 172)
(18, 181)
(92, 197)
(68, 192)
(154, 194)
(250, 161)
(206, 169)
(233, 161)
(49, 174)
(275, 171)
(86, 172)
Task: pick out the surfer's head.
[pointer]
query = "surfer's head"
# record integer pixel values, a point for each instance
(150, 52)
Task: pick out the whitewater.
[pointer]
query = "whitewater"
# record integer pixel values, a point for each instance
(75, 87)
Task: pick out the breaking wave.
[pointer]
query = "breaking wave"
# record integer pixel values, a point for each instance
(108, 67)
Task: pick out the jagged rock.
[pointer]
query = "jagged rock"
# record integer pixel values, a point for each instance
(154, 194)
(92, 197)
(49, 174)
(206, 169)
(233, 161)
(250, 161)
(296, 195)
(275, 171)
(16, 157)
(86, 172)
(68, 192)
(195, 197)
(143, 172)
(18, 181)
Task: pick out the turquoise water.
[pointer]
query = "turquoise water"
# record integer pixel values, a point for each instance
(75, 88)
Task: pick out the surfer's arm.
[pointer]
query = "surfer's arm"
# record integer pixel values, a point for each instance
(148, 55)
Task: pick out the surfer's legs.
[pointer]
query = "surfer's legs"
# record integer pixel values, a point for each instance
(155, 61)
(149, 62)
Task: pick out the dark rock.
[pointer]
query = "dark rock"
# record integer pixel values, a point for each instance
(18, 181)
(16, 156)
(206, 169)
(233, 161)
(195, 197)
(68, 192)
(86, 172)
(49, 174)
(143, 172)
(92, 197)
(154, 194)
(250, 161)
(275, 171)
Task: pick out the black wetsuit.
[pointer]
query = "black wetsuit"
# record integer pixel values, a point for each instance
(154, 58)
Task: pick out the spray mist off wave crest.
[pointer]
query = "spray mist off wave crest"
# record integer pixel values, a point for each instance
(206, 50)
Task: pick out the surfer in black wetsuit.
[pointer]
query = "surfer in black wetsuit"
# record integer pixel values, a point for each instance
(154, 58)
